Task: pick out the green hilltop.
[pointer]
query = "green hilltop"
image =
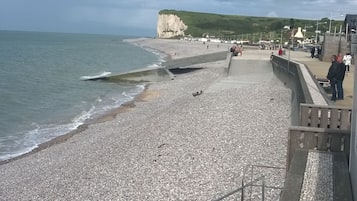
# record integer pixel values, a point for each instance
(248, 27)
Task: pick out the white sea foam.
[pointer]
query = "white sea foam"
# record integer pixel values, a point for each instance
(97, 76)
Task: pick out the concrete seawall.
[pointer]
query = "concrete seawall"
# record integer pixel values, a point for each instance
(297, 77)
(163, 73)
(142, 75)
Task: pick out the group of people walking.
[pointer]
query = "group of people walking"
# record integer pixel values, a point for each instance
(336, 74)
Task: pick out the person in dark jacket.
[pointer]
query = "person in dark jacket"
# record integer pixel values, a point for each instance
(333, 76)
(341, 77)
(312, 51)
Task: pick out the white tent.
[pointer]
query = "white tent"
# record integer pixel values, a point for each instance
(299, 33)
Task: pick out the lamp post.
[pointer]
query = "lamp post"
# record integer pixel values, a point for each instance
(329, 27)
(286, 27)
(281, 36)
(304, 31)
(317, 30)
(292, 46)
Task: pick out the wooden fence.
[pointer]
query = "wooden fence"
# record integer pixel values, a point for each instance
(325, 128)
(323, 139)
(322, 116)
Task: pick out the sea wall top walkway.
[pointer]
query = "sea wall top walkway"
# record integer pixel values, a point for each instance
(320, 69)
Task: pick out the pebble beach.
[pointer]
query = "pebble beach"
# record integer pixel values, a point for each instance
(166, 144)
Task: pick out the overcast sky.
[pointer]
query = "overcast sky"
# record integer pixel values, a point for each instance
(139, 17)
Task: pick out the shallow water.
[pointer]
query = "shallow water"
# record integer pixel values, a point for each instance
(42, 95)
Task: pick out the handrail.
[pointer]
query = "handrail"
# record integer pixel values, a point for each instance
(249, 169)
(241, 188)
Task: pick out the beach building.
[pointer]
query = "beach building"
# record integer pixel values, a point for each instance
(350, 23)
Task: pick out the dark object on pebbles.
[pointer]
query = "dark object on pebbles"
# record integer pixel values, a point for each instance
(197, 93)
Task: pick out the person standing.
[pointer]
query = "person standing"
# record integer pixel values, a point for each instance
(280, 52)
(312, 52)
(318, 52)
(347, 58)
(341, 77)
(333, 75)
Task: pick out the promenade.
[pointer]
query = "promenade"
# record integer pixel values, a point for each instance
(320, 69)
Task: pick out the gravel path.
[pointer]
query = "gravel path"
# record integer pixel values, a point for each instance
(170, 146)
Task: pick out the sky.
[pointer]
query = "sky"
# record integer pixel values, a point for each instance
(139, 17)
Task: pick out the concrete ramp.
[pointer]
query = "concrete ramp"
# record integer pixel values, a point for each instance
(189, 61)
(164, 73)
(241, 68)
(243, 73)
(143, 75)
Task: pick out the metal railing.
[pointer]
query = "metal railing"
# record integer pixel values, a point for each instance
(245, 192)
(241, 189)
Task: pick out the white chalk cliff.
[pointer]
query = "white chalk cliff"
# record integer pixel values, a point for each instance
(169, 25)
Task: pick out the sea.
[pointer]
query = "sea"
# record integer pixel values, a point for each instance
(42, 95)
